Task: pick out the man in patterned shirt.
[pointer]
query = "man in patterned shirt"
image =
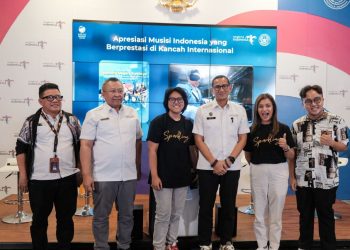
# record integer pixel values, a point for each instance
(319, 136)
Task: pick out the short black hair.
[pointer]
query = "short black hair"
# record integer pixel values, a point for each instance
(218, 77)
(307, 88)
(47, 86)
(168, 93)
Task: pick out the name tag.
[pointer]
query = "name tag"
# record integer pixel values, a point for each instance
(211, 118)
(104, 119)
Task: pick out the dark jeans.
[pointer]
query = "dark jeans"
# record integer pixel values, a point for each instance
(208, 186)
(43, 194)
(309, 199)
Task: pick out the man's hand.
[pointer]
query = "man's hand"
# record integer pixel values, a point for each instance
(23, 183)
(326, 139)
(220, 168)
(88, 183)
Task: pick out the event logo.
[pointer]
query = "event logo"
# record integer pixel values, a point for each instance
(7, 82)
(37, 83)
(338, 92)
(292, 77)
(39, 44)
(82, 32)
(264, 40)
(25, 100)
(337, 4)
(5, 118)
(57, 65)
(18, 64)
(5, 189)
(58, 24)
(250, 38)
(312, 67)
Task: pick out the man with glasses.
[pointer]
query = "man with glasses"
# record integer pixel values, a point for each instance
(220, 130)
(111, 163)
(47, 152)
(319, 136)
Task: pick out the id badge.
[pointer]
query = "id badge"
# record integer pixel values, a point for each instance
(54, 165)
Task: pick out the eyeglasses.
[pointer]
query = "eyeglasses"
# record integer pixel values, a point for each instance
(223, 86)
(51, 98)
(178, 100)
(114, 91)
(317, 100)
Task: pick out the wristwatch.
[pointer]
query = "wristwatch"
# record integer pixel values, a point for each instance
(231, 158)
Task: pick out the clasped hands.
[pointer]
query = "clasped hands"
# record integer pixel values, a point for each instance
(221, 167)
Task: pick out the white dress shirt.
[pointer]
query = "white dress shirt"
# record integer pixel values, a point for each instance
(114, 135)
(220, 128)
(43, 150)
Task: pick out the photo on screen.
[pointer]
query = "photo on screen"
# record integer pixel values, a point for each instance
(196, 81)
(135, 78)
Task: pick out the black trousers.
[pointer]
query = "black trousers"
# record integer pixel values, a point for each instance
(43, 195)
(321, 200)
(208, 186)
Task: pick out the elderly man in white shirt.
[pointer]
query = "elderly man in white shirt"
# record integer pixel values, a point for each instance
(220, 129)
(111, 162)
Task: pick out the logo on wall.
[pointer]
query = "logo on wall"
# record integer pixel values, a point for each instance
(25, 100)
(18, 64)
(37, 83)
(5, 189)
(337, 4)
(312, 67)
(58, 24)
(82, 32)
(292, 77)
(7, 82)
(250, 38)
(5, 118)
(9, 152)
(40, 44)
(338, 92)
(264, 40)
(57, 65)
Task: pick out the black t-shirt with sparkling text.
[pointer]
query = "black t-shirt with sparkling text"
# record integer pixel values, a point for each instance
(264, 148)
(173, 155)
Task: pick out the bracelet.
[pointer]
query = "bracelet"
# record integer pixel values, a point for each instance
(227, 164)
(232, 159)
(286, 149)
(214, 163)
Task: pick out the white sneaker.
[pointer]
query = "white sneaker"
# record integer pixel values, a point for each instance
(228, 246)
(206, 247)
(263, 248)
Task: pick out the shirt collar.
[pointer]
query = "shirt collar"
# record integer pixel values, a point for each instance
(110, 109)
(323, 117)
(50, 117)
(216, 105)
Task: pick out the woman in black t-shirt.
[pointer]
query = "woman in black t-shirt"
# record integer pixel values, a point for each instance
(170, 143)
(269, 146)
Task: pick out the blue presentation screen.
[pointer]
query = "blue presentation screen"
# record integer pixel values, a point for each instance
(149, 58)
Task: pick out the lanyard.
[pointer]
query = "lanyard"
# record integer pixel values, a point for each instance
(55, 131)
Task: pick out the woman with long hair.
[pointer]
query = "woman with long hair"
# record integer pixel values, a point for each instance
(269, 147)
